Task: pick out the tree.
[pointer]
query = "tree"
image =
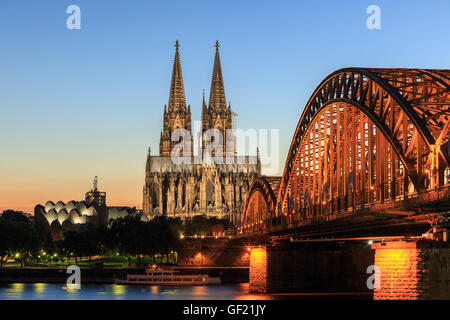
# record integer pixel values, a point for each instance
(87, 242)
(133, 237)
(90, 241)
(71, 243)
(6, 239)
(17, 236)
(15, 216)
(166, 235)
(128, 236)
(202, 225)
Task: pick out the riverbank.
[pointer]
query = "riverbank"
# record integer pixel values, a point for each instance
(106, 275)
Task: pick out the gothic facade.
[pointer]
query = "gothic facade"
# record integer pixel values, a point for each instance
(214, 188)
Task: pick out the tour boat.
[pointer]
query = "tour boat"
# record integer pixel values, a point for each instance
(160, 276)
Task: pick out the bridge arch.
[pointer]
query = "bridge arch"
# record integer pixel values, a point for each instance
(382, 131)
(367, 138)
(260, 203)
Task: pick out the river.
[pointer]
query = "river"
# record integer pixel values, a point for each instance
(52, 291)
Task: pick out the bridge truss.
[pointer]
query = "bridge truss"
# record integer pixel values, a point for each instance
(366, 137)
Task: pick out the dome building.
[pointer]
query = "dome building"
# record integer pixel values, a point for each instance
(61, 217)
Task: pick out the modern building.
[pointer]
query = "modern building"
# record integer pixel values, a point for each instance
(197, 186)
(74, 215)
(94, 195)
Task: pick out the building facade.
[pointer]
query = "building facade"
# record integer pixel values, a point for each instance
(198, 185)
(58, 218)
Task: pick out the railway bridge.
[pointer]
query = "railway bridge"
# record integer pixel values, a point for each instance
(365, 187)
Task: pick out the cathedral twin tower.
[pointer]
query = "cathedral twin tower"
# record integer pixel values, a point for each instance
(185, 190)
(177, 116)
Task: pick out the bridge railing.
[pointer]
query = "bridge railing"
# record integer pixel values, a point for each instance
(316, 214)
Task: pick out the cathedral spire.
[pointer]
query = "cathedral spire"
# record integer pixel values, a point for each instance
(148, 163)
(217, 93)
(204, 106)
(177, 99)
(177, 115)
(205, 115)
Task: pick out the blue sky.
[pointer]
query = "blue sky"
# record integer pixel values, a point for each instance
(80, 103)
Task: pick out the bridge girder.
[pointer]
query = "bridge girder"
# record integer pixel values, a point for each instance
(260, 203)
(368, 124)
(418, 98)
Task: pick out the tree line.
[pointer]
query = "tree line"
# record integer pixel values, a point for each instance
(128, 236)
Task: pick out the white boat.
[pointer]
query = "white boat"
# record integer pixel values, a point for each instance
(167, 277)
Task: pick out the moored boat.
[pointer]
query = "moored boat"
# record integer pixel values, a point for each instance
(168, 277)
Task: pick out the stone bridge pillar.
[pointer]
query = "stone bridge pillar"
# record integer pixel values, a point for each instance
(310, 267)
(412, 270)
(258, 274)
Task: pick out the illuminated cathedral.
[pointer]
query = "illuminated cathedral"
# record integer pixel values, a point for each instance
(197, 187)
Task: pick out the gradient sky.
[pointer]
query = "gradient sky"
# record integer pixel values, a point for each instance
(80, 103)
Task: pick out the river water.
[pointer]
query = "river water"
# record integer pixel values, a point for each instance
(52, 291)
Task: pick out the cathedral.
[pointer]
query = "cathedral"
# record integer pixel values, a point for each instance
(197, 187)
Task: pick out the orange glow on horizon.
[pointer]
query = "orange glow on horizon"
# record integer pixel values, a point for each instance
(26, 198)
(32, 183)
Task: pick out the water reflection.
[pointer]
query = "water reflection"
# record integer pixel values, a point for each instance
(15, 291)
(39, 287)
(254, 297)
(119, 290)
(199, 289)
(51, 291)
(154, 290)
(243, 287)
(71, 293)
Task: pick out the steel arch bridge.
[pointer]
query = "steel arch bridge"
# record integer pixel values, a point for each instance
(368, 140)
(260, 203)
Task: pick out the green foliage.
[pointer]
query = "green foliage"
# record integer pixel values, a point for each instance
(18, 238)
(128, 236)
(15, 216)
(201, 225)
(134, 237)
(88, 242)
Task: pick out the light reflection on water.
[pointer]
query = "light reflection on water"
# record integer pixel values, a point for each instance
(53, 291)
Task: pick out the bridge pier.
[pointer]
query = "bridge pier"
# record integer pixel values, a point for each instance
(413, 270)
(310, 267)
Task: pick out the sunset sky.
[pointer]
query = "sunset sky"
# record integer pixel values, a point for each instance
(80, 103)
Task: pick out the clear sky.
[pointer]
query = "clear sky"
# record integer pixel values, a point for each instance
(80, 103)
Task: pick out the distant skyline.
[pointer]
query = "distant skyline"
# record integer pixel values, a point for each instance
(81, 103)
